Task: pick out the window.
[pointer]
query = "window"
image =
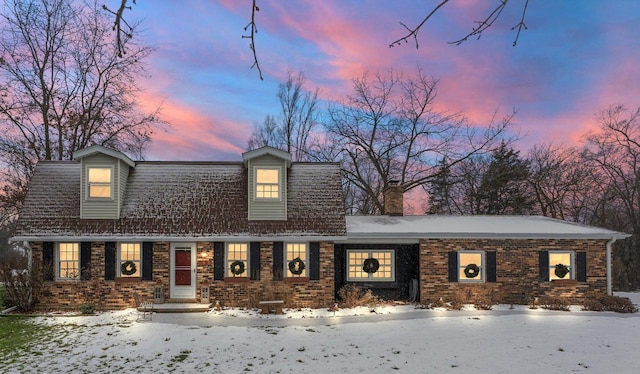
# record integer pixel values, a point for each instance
(560, 265)
(471, 266)
(296, 260)
(267, 183)
(99, 180)
(68, 261)
(370, 265)
(129, 261)
(237, 260)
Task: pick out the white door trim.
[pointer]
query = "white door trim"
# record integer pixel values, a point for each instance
(179, 291)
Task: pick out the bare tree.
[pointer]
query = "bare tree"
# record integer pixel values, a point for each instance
(389, 130)
(293, 128)
(615, 150)
(64, 88)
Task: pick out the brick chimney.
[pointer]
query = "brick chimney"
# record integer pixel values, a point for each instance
(393, 199)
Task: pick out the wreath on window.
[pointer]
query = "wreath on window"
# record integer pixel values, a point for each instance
(237, 267)
(128, 268)
(471, 271)
(561, 270)
(370, 265)
(296, 266)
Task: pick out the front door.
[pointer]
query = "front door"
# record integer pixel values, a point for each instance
(183, 271)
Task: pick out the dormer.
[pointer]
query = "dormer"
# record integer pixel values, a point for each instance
(104, 174)
(267, 169)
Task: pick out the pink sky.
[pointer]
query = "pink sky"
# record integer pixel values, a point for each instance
(568, 65)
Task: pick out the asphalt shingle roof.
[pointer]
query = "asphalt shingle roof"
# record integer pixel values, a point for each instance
(183, 200)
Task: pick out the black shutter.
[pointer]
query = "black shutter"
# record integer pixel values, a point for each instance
(47, 261)
(314, 261)
(278, 261)
(543, 262)
(147, 261)
(453, 266)
(254, 261)
(85, 260)
(491, 267)
(109, 260)
(218, 261)
(581, 266)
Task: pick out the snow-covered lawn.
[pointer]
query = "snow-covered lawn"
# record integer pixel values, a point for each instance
(394, 338)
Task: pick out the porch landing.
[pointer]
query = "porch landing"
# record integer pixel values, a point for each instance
(181, 307)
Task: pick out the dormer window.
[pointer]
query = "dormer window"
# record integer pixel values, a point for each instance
(99, 182)
(267, 183)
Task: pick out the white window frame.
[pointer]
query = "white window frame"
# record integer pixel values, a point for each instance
(228, 259)
(571, 265)
(369, 253)
(138, 261)
(100, 184)
(75, 259)
(278, 184)
(462, 265)
(291, 253)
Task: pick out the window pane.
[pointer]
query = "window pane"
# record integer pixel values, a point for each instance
(269, 176)
(356, 261)
(560, 265)
(68, 261)
(99, 175)
(470, 266)
(237, 252)
(294, 251)
(97, 190)
(130, 264)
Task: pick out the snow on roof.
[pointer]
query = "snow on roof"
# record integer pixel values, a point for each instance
(412, 228)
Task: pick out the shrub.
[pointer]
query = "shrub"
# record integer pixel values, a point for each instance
(608, 303)
(22, 287)
(554, 303)
(352, 296)
(88, 308)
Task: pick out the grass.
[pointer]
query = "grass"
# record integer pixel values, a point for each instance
(18, 335)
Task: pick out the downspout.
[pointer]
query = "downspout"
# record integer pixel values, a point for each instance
(609, 286)
(27, 248)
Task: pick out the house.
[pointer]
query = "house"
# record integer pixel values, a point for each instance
(103, 227)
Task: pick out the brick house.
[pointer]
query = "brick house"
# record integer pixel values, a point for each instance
(103, 227)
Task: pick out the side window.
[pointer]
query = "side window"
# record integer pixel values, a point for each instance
(561, 265)
(296, 263)
(99, 182)
(129, 260)
(267, 183)
(370, 265)
(237, 260)
(471, 266)
(68, 259)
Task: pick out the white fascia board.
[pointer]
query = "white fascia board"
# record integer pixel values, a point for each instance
(288, 238)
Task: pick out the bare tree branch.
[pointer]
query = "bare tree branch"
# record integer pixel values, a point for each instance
(254, 30)
(477, 31)
(117, 26)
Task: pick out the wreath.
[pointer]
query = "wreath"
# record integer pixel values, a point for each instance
(370, 265)
(237, 267)
(471, 271)
(296, 266)
(561, 270)
(128, 268)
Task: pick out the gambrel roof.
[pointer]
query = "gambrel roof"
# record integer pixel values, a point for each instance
(183, 201)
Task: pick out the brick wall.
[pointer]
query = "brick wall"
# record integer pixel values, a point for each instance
(517, 270)
(295, 293)
(118, 294)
